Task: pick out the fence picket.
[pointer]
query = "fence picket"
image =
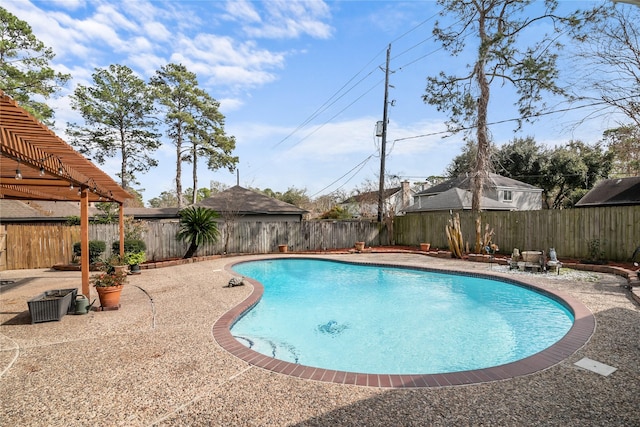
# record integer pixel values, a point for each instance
(568, 231)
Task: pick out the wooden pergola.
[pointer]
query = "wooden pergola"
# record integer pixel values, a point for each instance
(35, 164)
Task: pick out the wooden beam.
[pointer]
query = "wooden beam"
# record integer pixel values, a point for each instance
(84, 241)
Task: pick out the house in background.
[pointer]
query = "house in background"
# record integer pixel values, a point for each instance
(396, 201)
(613, 192)
(38, 211)
(249, 205)
(499, 193)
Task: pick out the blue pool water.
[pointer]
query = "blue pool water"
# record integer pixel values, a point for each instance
(389, 320)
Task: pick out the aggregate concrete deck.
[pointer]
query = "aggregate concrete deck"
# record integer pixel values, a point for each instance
(155, 362)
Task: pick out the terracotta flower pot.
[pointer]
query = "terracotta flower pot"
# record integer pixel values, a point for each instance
(283, 248)
(109, 296)
(425, 246)
(359, 246)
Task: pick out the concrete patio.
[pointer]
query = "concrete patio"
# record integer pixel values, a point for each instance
(155, 362)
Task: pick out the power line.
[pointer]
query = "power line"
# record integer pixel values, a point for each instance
(337, 114)
(361, 165)
(334, 97)
(546, 113)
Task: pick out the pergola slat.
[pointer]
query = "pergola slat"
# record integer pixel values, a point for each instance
(28, 145)
(50, 169)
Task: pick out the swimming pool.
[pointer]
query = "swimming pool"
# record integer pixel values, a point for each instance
(396, 331)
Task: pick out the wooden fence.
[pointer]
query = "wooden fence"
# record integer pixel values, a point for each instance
(43, 245)
(569, 231)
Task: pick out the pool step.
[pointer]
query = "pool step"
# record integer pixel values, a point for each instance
(277, 350)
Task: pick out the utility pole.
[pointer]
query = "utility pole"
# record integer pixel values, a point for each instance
(383, 146)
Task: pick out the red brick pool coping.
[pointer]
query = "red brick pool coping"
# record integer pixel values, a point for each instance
(579, 334)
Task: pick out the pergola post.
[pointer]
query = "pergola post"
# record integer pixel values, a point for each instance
(84, 240)
(121, 218)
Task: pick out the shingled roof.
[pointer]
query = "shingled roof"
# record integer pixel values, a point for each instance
(463, 182)
(242, 201)
(613, 192)
(40, 210)
(457, 199)
(372, 195)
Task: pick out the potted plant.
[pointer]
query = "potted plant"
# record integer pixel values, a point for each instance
(116, 263)
(359, 246)
(134, 259)
(109, 287)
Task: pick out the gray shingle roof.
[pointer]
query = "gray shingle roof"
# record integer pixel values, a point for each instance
(29, 209)
(372, 195)
(456, 199)
(45, 210)
(464, 182)
(243, 201)
(609, 192)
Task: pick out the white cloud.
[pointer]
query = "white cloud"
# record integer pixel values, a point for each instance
(220, 61)
(230, 104)
(241, 10)
(156, 31)
(69, 4)
(292, 19)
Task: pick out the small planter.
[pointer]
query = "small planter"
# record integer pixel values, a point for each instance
(425, 247)
(120, 268)
(134, 269)
(52, 305)
(359, 246)
(283, 248)
(109, 296)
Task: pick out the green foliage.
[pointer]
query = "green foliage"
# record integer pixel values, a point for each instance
(294, 196)
(25, 73)
(167, 199)
(130, 245)
(73, 220)
(193, 118)
(134, 258)
(596, 253)
(564, 173)
(624, 143)
(201, 194)
(494, 29)
(107, 279)
(96, 249)
(117, 112)
(336, 212)
(198, 226)
(133, 228)
(108, 213)
(572, 169)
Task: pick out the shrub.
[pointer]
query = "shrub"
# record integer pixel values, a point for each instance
(198, 226)
(133, 258)
(131, 245)
(96, 248)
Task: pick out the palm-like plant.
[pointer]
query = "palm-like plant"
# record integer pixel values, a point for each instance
(198, 226)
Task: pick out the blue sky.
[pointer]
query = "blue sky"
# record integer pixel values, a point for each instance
(300, 83)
